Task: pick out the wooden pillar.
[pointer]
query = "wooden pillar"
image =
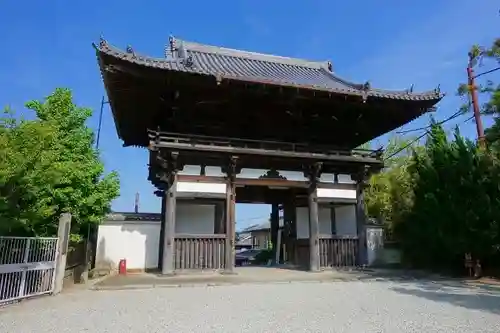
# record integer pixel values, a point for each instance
(230, 217)
(275, 216)
(361, 221)
(219, 218)
(333, 220)
(170, 198)
(290, 227)
(161, 195)
(313, 175)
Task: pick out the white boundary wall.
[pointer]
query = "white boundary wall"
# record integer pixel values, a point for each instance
(138, 241)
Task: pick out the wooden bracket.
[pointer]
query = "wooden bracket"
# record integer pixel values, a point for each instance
(313, 172)
(231, 169)
(160, 193)
(169, 166)
(363, 175)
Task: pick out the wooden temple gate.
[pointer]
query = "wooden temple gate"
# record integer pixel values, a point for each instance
(216, 251)
(208, 106)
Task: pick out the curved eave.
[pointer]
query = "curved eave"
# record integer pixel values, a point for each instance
(177, 65)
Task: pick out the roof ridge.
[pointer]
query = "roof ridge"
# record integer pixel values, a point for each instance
(205, 48)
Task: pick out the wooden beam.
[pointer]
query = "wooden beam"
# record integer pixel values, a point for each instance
(270, 182)
(200, 195)
(263, 162)
(201, 179)
(284, 183)
(263, 152)
(338, 201)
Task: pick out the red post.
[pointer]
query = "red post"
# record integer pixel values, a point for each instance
(122, 267)
(475, 103)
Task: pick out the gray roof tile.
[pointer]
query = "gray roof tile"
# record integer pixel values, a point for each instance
(256, 67)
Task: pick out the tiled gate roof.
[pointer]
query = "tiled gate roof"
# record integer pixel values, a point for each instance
(224, 63)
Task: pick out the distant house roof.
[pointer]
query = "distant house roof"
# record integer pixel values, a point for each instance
(225, 63)
(265, 225)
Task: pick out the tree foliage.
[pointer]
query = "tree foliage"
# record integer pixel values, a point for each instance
(442, 199)
(455, 206)
(386, 193)
(49, 166)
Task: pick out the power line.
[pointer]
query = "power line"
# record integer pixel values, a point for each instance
(453, 116)
(487, 72)
(406, 146)
(424, 134)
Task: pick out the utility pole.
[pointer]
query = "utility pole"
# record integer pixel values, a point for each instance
(136, 205)
(103, 102)
(91, 228)
(475, 102)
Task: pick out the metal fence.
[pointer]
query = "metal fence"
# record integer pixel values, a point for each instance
(27, 266)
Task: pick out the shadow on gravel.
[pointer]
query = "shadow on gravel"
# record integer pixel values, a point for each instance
(455, 292)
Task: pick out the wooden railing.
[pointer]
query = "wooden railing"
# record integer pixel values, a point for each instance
(338, 251)
(199, 251)
(156, 137)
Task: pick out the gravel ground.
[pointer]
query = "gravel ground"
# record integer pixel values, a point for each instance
(358, 307)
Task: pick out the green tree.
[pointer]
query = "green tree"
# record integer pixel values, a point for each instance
(455, 207)
(388, 192)
(49, 166)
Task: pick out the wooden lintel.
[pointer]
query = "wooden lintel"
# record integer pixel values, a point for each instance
(339, 186)
(270, 182)
(262, 182)
(200, 201)
(193, 195)
(201, 179)
(337, 201)
(203, 236)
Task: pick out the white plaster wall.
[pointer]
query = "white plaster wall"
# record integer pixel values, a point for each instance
(345, 220)
(138, 241)
(195, 187)
(336, 193)
(195, 170)
(135, 241)
(324, 217)
(194, 219)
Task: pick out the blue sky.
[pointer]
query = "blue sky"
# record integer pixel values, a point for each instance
(47, 44)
